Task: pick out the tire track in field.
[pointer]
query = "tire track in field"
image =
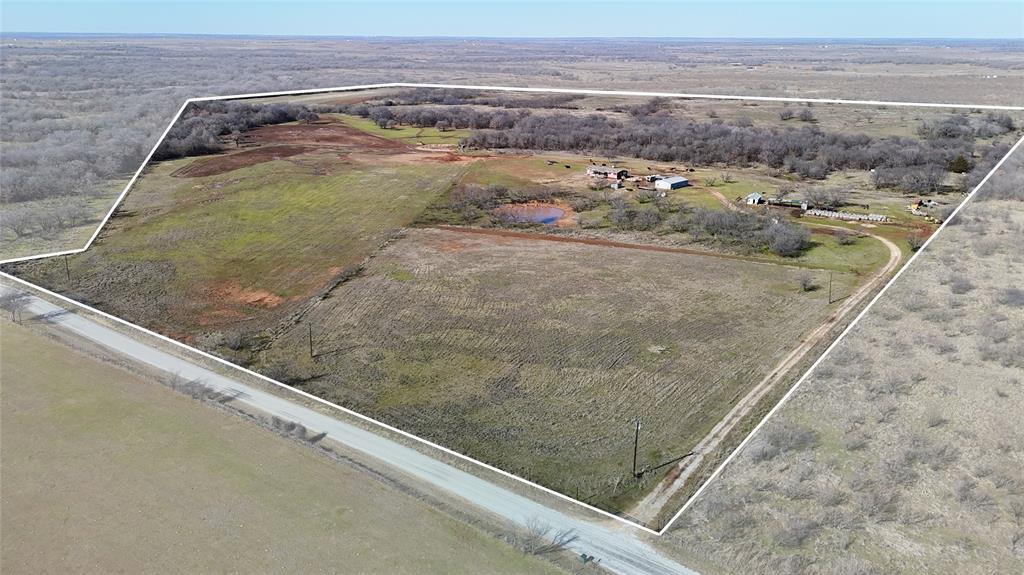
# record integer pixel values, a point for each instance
(651, 505)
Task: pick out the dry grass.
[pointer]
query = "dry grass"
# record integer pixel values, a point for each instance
(915, 462)
(193, 254)
(106, 472)
(535, 355)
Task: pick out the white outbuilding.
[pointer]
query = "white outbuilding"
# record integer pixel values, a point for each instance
(671, 183)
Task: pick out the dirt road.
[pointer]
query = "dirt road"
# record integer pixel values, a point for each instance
(604, 243)
(651, 505)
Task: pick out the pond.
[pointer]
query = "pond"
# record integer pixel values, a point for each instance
(547, 214)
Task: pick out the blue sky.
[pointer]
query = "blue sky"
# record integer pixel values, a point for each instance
(526, 18)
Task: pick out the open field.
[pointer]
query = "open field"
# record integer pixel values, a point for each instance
(536, 356)
(80, 113)
(901, 452)
(198, 252)
(326, 248)
(410, 135)
(107, 471)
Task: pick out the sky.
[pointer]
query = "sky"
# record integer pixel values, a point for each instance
(983, 19)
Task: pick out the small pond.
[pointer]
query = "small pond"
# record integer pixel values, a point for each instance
(546, 214)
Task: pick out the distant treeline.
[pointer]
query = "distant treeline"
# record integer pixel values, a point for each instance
(458, 117)
(451, 97)
(918, 166)
(202, 125)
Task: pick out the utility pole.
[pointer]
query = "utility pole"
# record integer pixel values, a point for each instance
(636, 442)
(67, 270)
(310, 340)
(829, 287)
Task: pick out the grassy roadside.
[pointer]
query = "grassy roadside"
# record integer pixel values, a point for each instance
(195, 491)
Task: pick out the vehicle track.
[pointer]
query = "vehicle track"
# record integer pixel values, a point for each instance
(650, 507)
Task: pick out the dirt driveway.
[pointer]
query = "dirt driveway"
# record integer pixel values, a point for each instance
(650, 507)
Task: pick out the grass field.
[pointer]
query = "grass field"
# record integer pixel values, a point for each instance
(530, 354)
(106, 472)
(536, 355)
(409, 134)
(215, 250)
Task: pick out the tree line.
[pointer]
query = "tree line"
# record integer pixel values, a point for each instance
(203, 125)
(452, 97)
(807, 151)
(444, 117)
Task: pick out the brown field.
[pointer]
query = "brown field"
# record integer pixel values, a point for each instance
(324, 133)
(902, 451)
(446, 321)
(535, 355)
(223, 242)
(224, 163)
(156, 74)
(107, 471)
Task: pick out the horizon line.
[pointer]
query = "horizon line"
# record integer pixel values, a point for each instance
(965, 39)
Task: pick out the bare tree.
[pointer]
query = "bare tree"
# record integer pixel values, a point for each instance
(541, 539)
(845, 238)
(14, 302)
(916, 241)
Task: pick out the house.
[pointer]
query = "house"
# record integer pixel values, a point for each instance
(672, 183)
(753, 199)
(611, 173)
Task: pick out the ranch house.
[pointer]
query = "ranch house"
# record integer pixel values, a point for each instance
(612, 173)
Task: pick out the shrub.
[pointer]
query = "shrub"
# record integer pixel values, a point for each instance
(916, 241)
(806, 282)
(782, 438)
(1013, 297)
(845, 238)
(786, 239)
(960, 285)
(647, 219)
(795, 531)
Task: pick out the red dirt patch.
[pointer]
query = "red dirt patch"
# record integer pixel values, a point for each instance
(450, 157)
(261, 298)
(332, 133)
(214, 165)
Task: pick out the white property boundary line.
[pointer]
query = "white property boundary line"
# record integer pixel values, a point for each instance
(842, 335)
(677, 95)
(441, 448)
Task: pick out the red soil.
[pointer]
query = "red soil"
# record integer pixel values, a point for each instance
(333, 133)
(222, 164)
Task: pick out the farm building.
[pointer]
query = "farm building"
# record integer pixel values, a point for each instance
(754, 199)
(672, 183)
(788, 203)
(611, 173)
